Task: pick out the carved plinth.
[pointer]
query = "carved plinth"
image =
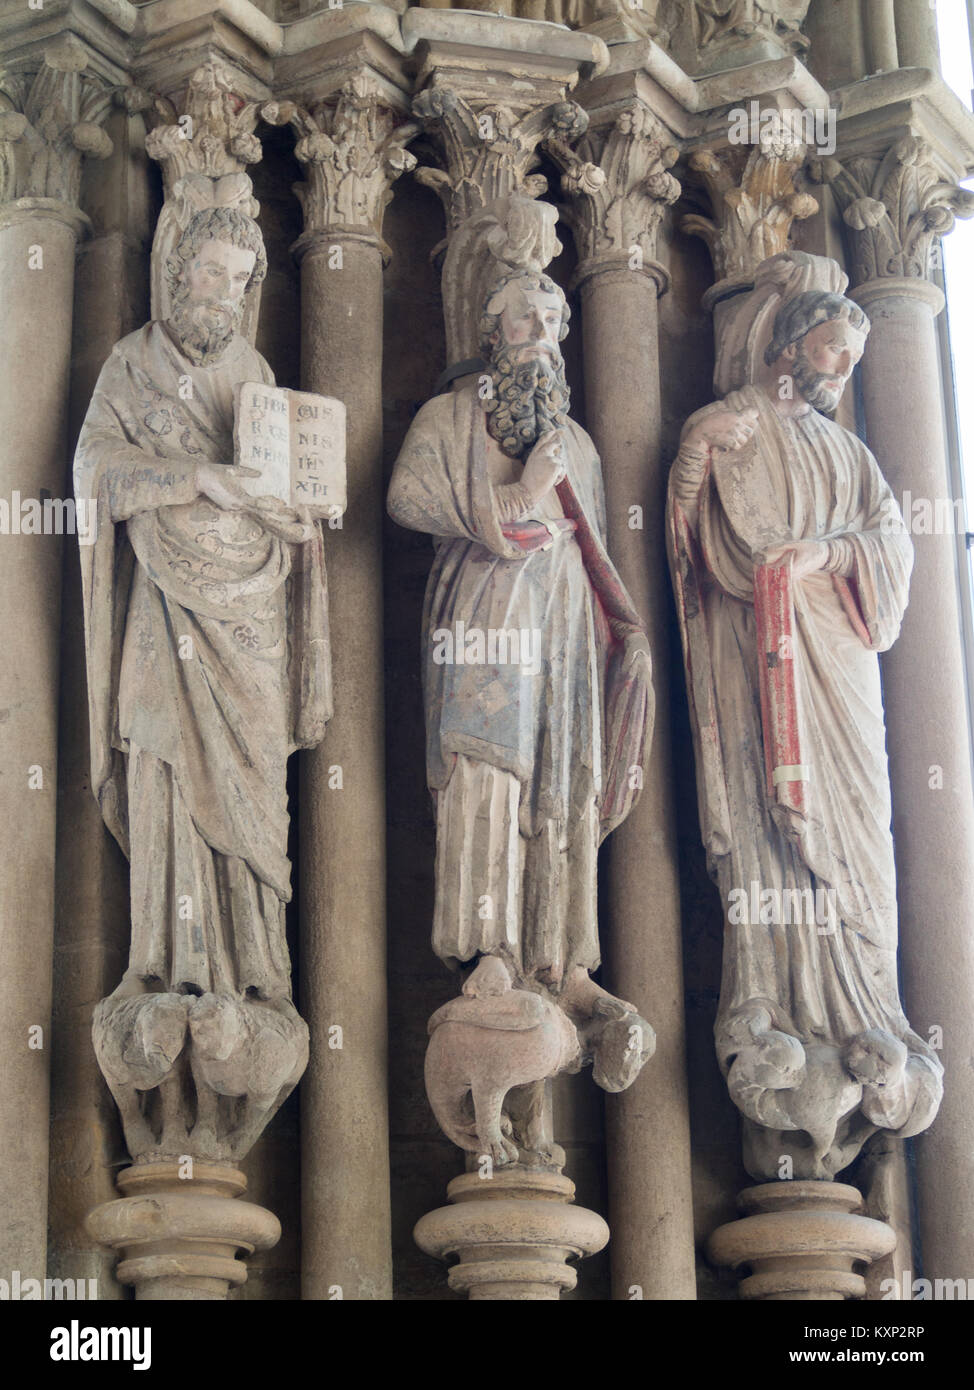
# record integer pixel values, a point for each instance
(513, 1233)
(801, 1241)
(181, 1237)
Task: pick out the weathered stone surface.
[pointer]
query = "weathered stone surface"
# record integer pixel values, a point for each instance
(806, 571)
(801, 1241)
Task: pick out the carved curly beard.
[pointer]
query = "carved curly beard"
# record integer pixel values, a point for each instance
(529, 398)
(810, 385)
(201, 340)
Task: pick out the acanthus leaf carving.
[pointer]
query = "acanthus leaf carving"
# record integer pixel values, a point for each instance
(354, 149)
(50, 118)
(490, 150)
(894, 206)
(619, 185)
(755, 199)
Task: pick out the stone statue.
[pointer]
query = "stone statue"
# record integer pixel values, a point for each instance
(715, 18)
(791, 569)
(537, 691)
(208, 664)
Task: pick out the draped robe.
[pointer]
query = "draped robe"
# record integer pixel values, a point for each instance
(208, 663)
(802, 478)
(529, 764)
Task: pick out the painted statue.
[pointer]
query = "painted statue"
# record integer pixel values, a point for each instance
(208, 664)
(791, 568)
(536, 684)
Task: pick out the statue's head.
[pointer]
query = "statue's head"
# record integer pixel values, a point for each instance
(217, 262)
(524, 319)
(817, 340)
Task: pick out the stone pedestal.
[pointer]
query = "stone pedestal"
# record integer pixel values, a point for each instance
(513, 1233)
(180, 1237)
(801, 1241)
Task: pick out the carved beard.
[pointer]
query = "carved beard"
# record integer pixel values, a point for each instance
(529, 398)
(811, 385)
(203, 339)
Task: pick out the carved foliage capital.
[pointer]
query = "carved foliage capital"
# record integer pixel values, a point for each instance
(50, 118)
(618, 185)
(894, 207)
(489, 150)
(211, 137)
(755, 200)
(354, 149)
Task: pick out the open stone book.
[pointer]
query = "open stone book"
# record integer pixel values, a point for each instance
(297, 440)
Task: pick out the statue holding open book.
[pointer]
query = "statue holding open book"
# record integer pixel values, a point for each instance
(206, 628)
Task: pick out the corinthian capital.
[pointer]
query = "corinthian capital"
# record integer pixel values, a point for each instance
(213, 135)
(754, 199)
(618, 185)
(354, 150)
(489, 150)
(894, 206)
(50, 118)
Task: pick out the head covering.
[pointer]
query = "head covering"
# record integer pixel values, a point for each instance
(745, 324)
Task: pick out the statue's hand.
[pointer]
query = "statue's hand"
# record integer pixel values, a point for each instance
(545, 466)
(723, 429)
(292, 524)
(219, 483)
(637, 651)
(809, 556)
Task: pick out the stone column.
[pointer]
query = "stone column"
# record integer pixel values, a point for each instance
(893, 208)
(345, 1201)
(754, 200)
(916, 35)
(91, 910)
(621, 188)
(879, 23)
(52, 118)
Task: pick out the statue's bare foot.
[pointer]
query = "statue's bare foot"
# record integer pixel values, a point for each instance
(582, 998)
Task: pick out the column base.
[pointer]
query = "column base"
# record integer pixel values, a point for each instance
(513, 1233)
(801, 1240)
(178, 1238)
